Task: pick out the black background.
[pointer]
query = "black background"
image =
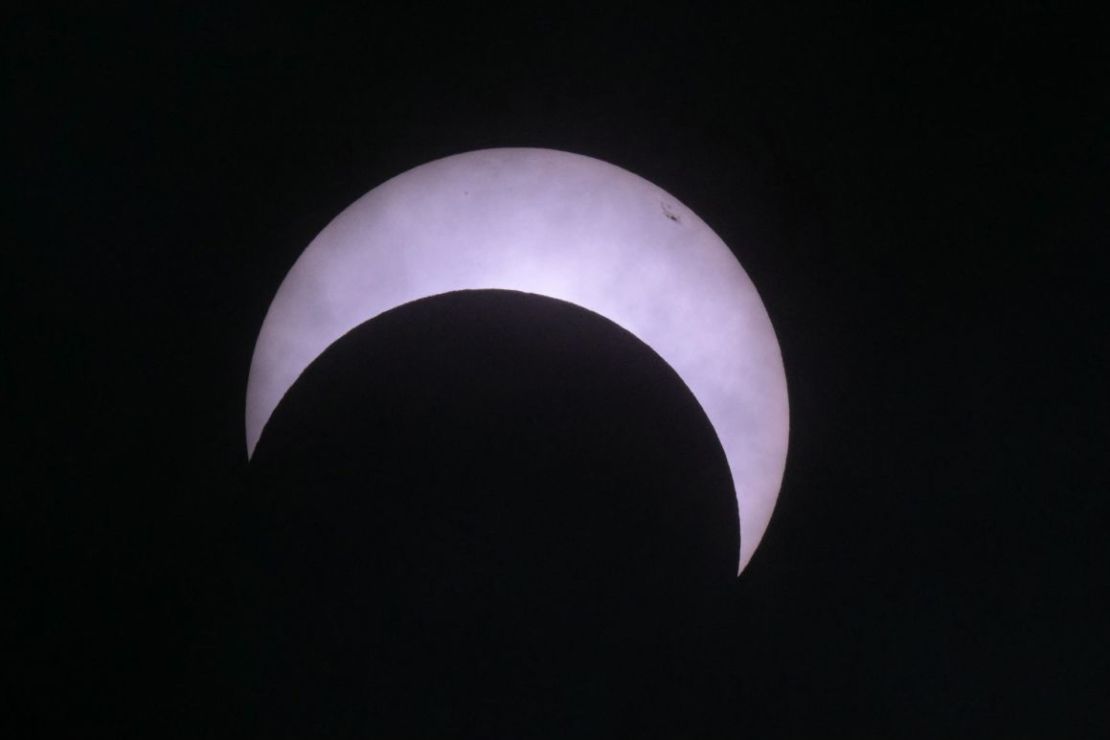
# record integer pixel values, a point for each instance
(920, 200)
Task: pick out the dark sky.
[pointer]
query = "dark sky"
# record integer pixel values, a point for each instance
(921, 201)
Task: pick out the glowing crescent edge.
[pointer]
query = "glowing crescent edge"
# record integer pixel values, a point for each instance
(560, 225)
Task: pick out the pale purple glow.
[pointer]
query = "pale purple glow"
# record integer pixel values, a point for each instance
(559, 225)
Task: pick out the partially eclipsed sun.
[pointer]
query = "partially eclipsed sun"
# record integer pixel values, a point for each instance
(559, 225)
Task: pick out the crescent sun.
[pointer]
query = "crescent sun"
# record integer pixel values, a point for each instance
(560, 225)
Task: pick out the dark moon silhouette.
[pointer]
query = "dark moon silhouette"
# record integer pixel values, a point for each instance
(483, 513)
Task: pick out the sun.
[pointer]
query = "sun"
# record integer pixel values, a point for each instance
(559, 225)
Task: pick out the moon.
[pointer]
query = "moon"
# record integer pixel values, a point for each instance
(560, 225)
